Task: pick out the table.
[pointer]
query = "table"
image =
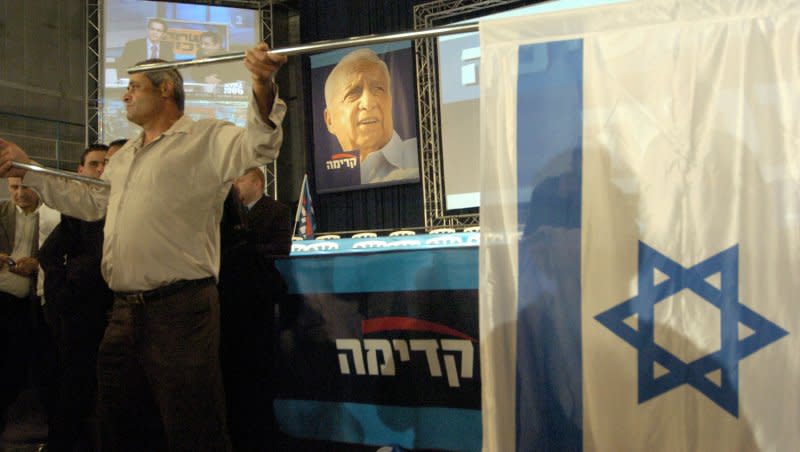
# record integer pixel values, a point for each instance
(384, 345)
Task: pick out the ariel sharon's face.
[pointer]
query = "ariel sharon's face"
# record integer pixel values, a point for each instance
(360, 113)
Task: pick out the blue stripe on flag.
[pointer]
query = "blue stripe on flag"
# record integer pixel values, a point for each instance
(549, 154)
(383, 272)
(433, 427)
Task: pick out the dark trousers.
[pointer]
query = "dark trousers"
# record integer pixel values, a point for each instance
(159, 379)
(77, 332)
(246, 357)
(16, 335)
(27, 360)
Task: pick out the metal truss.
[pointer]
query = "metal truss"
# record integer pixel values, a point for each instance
(427, 15)
(270, 169)
(93, 58)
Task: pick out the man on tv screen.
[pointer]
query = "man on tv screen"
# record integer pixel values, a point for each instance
(358, 112)
(213, 74)
(210, 44)
(154, 45)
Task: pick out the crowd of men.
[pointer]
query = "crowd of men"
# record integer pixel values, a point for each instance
(130, 297)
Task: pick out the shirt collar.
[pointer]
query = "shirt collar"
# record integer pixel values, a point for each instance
(393, 152)
(182, 125)
(35, 211)
(250, 206)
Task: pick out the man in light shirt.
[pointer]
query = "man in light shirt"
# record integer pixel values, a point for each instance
(19, 227)
(161, 254)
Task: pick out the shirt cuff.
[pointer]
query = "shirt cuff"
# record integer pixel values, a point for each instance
(275, 116)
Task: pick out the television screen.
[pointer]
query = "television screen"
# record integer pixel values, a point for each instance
(135, 30)
(459, 103)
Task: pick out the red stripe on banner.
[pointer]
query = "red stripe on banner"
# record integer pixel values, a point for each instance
(379, 324)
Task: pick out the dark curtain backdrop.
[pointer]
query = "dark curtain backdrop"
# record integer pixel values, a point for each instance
(394, 207)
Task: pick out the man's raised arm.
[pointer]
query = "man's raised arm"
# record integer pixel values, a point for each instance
(77, 199)
(263, 66)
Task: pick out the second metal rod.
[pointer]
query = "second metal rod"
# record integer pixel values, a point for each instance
(315, 47)
(60, 173)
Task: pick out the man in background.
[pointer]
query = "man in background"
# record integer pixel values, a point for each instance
(268, 220)
(20, 312)
(153, 46)
(250, 287)
(358, 111)
(80, 299)
(210, 45)
(115, 146)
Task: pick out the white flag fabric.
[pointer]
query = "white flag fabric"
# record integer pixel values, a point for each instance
(640, 211)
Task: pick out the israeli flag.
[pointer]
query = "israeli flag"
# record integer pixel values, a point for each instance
(640, 212)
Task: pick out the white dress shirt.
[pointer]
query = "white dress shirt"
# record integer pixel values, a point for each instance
(153, 49)
(48, 220)
(165, 202)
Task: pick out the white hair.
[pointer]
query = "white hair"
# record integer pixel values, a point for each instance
(363, 54)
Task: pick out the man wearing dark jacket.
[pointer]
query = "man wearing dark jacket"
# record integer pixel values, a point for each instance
(70, 258)
(250, 286)
(268, 220)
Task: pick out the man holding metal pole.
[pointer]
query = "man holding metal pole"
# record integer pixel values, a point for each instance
(161, 255)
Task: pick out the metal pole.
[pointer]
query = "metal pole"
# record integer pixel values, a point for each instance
(58, 145)
(60, 173)
(314, 47)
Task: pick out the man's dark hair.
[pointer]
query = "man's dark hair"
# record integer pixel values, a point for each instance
(92, 148)
(210, 34)
(158, 77)
(159, 21)
(118, 142)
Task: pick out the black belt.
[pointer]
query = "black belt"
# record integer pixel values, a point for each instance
(163, 291)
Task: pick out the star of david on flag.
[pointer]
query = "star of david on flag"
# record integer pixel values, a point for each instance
(732, 313)
(641, 204)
